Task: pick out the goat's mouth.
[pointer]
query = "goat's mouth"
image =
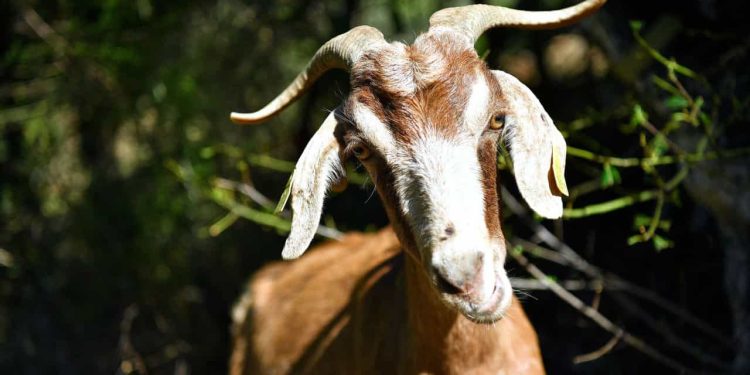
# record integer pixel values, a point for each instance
(481, 309)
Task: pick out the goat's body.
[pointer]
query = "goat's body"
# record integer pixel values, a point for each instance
(345, 309)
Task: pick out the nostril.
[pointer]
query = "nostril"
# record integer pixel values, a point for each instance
(448, 232)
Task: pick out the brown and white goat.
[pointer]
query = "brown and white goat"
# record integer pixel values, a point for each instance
(429, 295)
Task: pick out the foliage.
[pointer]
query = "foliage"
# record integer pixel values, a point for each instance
(660, 154)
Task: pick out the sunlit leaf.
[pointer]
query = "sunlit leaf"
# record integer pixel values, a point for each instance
(639, 116)
(661, 243)
(659, 145)
(610, 176)
(207, 152)
(636, 25)
(675, 102)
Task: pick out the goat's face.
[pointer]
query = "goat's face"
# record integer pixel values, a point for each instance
(426, 120)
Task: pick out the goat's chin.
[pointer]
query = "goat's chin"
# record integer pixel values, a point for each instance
(487, 311)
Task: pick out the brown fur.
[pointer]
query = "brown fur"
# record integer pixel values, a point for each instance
(359, 306)
(487, 154)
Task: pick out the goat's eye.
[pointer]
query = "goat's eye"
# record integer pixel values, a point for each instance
(361, 152)
(497, 122)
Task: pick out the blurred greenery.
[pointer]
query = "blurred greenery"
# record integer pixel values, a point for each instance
(132, 212)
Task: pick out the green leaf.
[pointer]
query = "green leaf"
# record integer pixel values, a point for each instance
(639, 116)
(641, 220)
(666, 85)
(659, 145)
(610, 176)
(675, 103)
(207, 152)
(517, 250)
(661, 243)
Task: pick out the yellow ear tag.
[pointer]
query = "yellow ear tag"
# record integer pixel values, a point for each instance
(284, 196)
(558, 167)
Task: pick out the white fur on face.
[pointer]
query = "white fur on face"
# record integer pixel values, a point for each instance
(439, 187)
(476, 113)
(376, 132)
(438, 181)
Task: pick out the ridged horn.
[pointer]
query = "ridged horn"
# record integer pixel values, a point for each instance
(474, 20)
(338, 53)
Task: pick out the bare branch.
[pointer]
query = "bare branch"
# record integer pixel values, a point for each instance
(565, 255)
(596, 354)
(598, 318)
(570, 285)
(280, 223)
(130, 358)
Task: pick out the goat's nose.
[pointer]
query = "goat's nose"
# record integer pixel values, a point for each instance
(460, 277)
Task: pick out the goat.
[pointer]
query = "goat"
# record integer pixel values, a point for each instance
(428, 294)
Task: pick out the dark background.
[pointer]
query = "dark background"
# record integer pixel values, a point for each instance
(117, 251)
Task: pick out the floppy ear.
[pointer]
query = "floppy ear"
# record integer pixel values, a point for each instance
(317, 169)
(536, 147)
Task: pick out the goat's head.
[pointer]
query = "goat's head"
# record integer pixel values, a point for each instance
(426, 120)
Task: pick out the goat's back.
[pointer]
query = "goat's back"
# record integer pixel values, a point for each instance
(294, 314)
(338, 310)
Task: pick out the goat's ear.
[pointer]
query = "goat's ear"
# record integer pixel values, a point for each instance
(536, 147)
(318, 169)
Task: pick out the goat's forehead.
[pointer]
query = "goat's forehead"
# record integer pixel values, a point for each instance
(404, 70)
(424, 85)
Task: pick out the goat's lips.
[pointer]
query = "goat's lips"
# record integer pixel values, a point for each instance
(480, 309)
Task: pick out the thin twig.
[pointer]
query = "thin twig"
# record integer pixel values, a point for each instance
(669, 336)
(633, 309)
(570, 285)
(615, 283)
(63, 48)
(130, 358)
(44, 31)
(598, 318)
(609, 206)
(656, 161)
(246, 189)
(598, 353)
(571, 258)
(280, 223)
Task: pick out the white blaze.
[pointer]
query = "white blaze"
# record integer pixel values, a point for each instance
(376, 131)
(439, 184)
(476, 114)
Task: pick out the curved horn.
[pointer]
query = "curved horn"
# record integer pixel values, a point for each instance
(340, 52)
(473, 20)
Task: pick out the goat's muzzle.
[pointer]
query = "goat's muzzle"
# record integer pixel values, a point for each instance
(474, 283)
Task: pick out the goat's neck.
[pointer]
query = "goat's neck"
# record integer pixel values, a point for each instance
(440, 334)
